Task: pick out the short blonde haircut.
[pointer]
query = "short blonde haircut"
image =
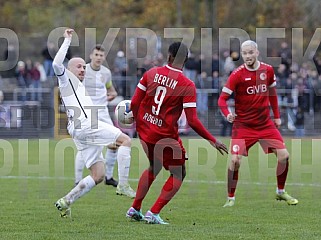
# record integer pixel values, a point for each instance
(249, 43)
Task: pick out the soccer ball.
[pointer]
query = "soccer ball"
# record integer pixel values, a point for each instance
(123, 114)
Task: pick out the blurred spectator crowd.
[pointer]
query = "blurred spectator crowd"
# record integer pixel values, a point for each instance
(299, 85)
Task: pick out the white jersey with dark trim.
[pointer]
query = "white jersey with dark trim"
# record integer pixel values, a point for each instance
(79, 106)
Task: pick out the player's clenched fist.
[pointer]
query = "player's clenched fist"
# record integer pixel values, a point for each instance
(231, 117)
(68, 33)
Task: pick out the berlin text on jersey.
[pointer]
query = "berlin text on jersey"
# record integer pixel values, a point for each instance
(165, 81)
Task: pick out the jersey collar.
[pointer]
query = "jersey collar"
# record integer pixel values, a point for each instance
(173, 69)
(96, 70)
(258, 66)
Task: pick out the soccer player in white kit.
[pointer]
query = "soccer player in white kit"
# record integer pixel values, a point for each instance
(89, 134)
(99, 86)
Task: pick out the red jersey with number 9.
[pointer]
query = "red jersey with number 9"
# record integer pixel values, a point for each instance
(168, 91)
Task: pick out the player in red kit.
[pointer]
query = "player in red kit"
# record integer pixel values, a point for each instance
(160, 97)
(253, 85)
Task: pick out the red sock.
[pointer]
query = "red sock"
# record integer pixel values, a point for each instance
(169, 190)
(281, 173)
(232, 177)
(145, 181)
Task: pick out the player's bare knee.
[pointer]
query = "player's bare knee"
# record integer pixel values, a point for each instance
(127, 142)
(184, 172)
(112, 146)
(178, 172)
(98, 177)
(283, 156)
(97, 172)
(283, 159)
(124, 140)
(235, 163)
(155, 168)
(99, 180)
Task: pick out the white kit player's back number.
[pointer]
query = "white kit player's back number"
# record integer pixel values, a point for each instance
(158, 99)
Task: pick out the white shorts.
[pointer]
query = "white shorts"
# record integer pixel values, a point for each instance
(91, 141)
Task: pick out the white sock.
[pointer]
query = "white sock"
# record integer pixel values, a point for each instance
(111, 156)
(84, 186)
(79, 166)
(123, 159)
(279, 191)
(231, 198)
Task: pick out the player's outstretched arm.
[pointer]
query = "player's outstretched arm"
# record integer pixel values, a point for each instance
(68, 33)
(136, 100)
(198, 127)
(61, 54)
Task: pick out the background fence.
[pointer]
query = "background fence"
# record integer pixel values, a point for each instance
(46, 118)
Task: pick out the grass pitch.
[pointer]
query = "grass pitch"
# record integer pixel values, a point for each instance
(35, 173)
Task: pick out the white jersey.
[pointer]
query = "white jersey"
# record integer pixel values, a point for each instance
(96, 82)
(89, 134)
(79, 106)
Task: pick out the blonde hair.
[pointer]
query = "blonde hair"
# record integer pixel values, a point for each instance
(249, 43)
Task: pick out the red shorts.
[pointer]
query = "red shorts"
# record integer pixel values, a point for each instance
(243, 138)
(168, 151)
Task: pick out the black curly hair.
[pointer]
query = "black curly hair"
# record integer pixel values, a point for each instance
(179, 52)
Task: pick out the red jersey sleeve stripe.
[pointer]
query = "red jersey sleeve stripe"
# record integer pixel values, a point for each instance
(188, 105)
(227, 90)
(141, 86)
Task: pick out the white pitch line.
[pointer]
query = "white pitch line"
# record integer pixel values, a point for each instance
(186, 180)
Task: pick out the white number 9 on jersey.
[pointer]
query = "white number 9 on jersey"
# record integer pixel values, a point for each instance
(158, 99)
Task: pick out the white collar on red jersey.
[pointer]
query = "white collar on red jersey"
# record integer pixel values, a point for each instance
(174, 69)
(250, 69)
